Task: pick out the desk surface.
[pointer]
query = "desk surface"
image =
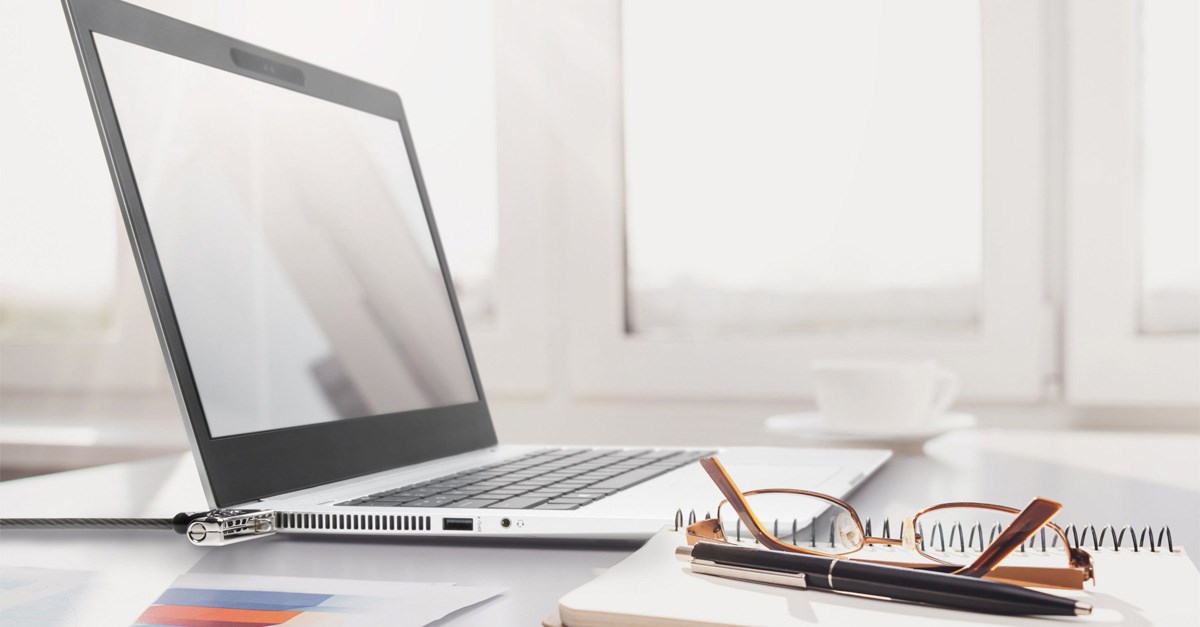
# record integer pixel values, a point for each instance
(1101, 477)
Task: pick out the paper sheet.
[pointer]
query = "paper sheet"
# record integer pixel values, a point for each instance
(40, 597)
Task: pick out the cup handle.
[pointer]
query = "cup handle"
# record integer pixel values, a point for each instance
(945, 391)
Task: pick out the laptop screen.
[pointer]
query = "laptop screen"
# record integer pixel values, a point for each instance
(294, 245)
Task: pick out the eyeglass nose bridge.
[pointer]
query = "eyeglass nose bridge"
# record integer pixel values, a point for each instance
(908, 534)
(849, 531)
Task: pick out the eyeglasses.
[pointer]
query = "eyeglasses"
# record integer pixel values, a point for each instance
(774, 518)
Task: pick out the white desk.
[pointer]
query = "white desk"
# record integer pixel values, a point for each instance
(1117, 478)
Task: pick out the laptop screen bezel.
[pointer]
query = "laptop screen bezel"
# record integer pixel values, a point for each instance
(241, 468)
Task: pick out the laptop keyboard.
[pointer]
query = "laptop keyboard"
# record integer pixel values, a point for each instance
(557, 479)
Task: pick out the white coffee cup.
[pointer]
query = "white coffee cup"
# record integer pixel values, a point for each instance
(882, 396)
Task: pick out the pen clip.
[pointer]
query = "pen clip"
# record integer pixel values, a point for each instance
(790, 580)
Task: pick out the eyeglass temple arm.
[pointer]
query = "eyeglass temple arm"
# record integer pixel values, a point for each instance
(716, 471)
(1033, 517)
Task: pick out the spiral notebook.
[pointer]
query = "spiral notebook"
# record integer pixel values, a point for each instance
(1140, 580)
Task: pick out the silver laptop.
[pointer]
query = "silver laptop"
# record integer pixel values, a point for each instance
(305, 308)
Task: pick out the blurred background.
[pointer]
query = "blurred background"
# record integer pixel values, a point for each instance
(659, 213)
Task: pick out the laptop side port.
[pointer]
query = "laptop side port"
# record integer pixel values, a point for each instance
(457, 524)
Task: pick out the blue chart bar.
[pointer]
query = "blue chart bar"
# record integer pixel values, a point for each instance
(241, 599)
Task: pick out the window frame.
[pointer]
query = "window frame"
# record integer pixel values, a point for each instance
(1107, 359)
(1006, 363)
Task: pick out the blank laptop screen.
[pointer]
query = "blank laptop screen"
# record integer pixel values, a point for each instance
(294, 245)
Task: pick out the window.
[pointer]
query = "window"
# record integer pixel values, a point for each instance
(769, 191)
(723, 215)
(1133, 280)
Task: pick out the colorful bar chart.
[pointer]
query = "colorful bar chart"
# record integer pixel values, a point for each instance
(198, 607)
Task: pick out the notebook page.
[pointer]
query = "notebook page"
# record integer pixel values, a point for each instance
(652, 587)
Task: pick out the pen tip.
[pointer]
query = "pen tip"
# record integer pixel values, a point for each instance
(1082, 609)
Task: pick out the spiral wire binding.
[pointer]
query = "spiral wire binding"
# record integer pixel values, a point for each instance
(1110, 538)
(1170, 543)
(940, 534)
(1083, 537)
(1132, 539)
(971, 542)
(1146, 538)
(1106, 531)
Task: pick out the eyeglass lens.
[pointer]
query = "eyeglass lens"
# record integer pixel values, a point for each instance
(797, 519)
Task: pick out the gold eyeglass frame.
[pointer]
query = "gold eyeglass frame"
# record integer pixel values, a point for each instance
(1026, 522)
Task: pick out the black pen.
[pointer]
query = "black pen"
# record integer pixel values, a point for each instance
(892, 582)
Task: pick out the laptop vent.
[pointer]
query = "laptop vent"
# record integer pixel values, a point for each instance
(353, 522)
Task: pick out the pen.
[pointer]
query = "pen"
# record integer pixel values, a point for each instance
(891, 582)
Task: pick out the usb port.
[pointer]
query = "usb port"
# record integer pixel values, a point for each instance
(457, 524)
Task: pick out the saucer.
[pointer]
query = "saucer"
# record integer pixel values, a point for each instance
(811, 425)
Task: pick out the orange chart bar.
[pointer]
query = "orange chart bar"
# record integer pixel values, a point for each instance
(187, 616)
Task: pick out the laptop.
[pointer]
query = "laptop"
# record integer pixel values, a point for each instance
(305, 308)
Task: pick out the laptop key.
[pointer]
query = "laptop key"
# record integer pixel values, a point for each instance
(496, 496)
(478, 503)
(460, 493)
(418, 492)
(520, 502)
(547, 494)
(396, 500)
(589, 494)
(563, 506)
(432, 501)
(471, 489)
(633, 477)
(501, 492)
(493, 482)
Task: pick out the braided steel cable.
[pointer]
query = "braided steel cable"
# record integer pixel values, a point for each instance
(87, 523)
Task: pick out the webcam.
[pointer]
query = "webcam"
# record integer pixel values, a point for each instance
(262, 65)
